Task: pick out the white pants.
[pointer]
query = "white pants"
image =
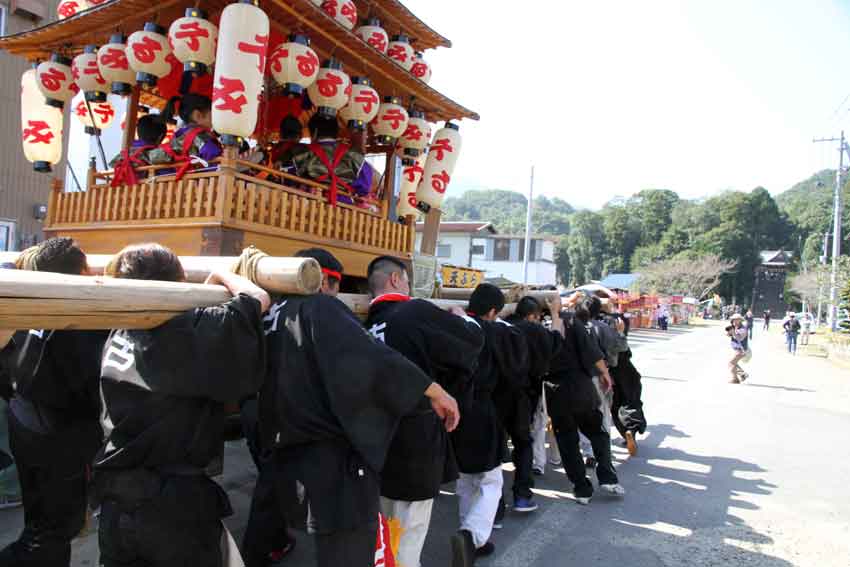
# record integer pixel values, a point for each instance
(409, 523)
(538, 434)
(478, 500)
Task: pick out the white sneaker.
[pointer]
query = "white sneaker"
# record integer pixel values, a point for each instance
(583, 500)
(613, 489)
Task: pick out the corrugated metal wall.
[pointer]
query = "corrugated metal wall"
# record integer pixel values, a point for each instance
(20, 187)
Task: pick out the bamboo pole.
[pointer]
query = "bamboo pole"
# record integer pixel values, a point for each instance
(275, 274)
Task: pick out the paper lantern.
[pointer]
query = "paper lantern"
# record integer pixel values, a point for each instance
(41, 125)
(391, 121)
(439, 167)
(411, 174)
(87, 75)
(68, 8)
(148, 53)
(417, 134)
(56, 80)
(243, 43)
(331, 90)
(193, 39)
(100, 118)
(294, 65)
(421, 69)
(362, 105)
(373, 34)
(114, 67)
(343, 11)
(400, 51)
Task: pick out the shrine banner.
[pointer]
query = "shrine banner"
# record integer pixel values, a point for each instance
(461, 276)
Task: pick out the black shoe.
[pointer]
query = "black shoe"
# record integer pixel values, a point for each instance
(463, 550)
(485, 550)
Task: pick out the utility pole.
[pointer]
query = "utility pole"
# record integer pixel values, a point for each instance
(527, 251)
(823, 259)
(836, 230)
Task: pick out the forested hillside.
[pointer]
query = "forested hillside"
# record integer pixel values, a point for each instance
(655, 224)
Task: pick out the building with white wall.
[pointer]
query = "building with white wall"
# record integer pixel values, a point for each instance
(478, 245)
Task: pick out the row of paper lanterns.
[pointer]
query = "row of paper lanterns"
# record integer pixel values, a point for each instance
(239, 48)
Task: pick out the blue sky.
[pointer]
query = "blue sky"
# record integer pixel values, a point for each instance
(610, 97)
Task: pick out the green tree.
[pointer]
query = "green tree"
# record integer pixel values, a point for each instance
(653, 209)
(586, 247)
(622, 234)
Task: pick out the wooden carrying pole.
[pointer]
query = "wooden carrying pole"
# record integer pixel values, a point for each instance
(274, 274)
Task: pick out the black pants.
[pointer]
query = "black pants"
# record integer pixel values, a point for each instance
(53, 485)
(267, 528)
(355, 548)
(148, 520)
(517, 423)
(567, 423)
(627, 407)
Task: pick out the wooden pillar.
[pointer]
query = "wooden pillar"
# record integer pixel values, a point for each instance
(388, 201)
(226, 183)
(92, 171)
(431, 232)
(130, 120)
(55, 189)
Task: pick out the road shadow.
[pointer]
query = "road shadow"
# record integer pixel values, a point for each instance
(785, 388)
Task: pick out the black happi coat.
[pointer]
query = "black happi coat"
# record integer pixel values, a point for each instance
(164, 389)
(446, 348)
(479, 438)
(572, 370)
(330, 405)
(54, 375)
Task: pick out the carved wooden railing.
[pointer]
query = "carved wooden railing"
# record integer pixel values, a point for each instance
(234, 199)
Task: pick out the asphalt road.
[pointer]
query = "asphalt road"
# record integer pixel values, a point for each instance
(737, 475)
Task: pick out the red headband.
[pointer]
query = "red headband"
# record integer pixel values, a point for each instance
(332, 274)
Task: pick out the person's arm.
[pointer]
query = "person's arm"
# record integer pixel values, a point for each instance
(237, 284)
(555, 312)
(444, 405)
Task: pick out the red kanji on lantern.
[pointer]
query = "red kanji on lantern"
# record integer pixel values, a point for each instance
(68, 9)
(36, 132)
(395, 116)
(440, 146)
(191, 31)
(75, 72)
(411, 171)
(114, 58)
(307, 64)
(368, 98)
(349, 11)
(91, 69)
(259, 49)
(330, 7)
(413, 133)
(398, 53)
(81, 109)
(224, 93)
(378, 41)
(51, 79)
(329, 84)
(419, 70)
(145, 50)
(106, 112)
(276, 56)
(439, 181)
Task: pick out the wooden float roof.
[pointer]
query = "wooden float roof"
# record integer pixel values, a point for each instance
(329, 38)
(395, 18)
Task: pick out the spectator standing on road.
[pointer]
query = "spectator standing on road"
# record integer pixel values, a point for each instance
(806, 324)
(766, 319)
(792, 329)
(749, 319)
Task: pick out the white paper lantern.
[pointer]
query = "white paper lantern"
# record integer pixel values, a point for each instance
(114, 67)
(148, 51)
(294, 65)
(193, 39)
(87, 75)
(343, 11)
(243, 43)
(56, 80)
(101, 117)
(331, 90)
(41, 125)
(417, 134)
(373, 34)
(439, 167)
(391, 121)
(411, 174)
(68, 8)
(421, 69)
(400, 51)
(363, 104)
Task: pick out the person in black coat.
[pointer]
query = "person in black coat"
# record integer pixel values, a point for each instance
(53, 422)
(445, 345)
(164, 391)
(479, 439)
(516, 403)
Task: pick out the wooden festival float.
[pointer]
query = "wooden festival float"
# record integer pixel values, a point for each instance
(361, 61)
